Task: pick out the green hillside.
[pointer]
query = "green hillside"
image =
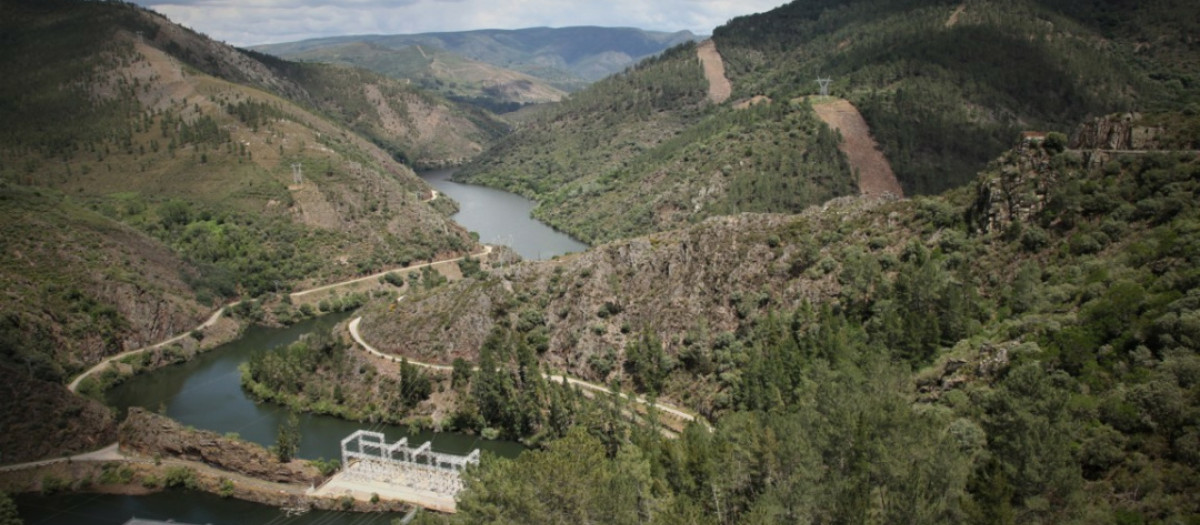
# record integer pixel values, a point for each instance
(568, 58)
(946, 85)
(943, 90)
(1019, 350)
(149, 174)
(496, 89)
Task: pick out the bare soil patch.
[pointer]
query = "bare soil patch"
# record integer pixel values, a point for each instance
(875, 176)
(719, 87)
(950, 22)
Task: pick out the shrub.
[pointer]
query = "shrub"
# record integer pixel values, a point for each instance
(225, 489)
(1055, 142)
(180, 477)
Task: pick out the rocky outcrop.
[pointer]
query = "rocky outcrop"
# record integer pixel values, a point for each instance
(985, 365)
(705, 281)
(1116, 132)
(151, 434)
(1014, 193)
(40, 419)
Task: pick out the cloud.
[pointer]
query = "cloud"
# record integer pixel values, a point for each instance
(248, 22)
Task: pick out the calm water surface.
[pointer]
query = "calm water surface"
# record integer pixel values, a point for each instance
(206, 393)
(179, 505)
(500, 217)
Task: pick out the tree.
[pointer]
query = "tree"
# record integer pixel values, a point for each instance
(8, 511)
(461, 376)
(571, 481)
(287, 442)
(414, 385)
(1055, 142)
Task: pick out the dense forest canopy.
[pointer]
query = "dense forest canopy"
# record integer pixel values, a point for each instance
(1021, 350)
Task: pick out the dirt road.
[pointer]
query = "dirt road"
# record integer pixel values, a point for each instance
(74, 385)
(664, 408)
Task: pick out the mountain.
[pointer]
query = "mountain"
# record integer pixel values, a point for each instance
(566, 58)
(150, 174)
(494, 88)
(1025, 346)
(943, 87)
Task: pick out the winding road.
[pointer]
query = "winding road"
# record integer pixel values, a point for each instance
(212, 319)
(661, 407)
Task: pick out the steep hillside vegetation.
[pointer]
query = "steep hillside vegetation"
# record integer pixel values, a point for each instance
(124, 124)
(1021, 350)
(416, 127)
(645, 151)
(945, 85)
(942, 95)
(569, 58)
(147, 176)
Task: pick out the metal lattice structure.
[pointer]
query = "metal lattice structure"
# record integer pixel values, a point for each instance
(367, 456)
(824, 82)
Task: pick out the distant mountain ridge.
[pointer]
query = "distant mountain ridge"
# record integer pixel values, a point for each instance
(568, 58)
(944, 86)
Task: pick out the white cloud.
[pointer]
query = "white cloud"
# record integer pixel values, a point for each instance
(248, 22)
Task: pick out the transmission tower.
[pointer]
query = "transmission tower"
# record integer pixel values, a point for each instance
(824, 82)
(507, 242)
(297, 173)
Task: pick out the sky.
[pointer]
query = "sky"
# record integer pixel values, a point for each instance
(250, 22)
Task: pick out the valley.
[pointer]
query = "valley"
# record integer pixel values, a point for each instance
(677, 285)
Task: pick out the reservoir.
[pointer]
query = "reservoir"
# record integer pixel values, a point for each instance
(182, 506)
(206, 393)
(500, 217)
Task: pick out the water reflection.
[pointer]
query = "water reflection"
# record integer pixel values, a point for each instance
(501, 217)
(206, 393)
(178, 505)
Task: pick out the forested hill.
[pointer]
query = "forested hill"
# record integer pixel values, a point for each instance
(568, 58)
(149, 174)
(435, 69)
(944, 86)
(1020, 350)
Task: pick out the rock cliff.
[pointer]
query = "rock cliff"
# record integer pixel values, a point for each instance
(151, 434)
(1116, 132)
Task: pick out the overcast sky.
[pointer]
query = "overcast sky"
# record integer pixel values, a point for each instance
(249, 22)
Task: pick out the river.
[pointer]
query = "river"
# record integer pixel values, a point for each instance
(500, 217)
(206, 393)
(182, 506)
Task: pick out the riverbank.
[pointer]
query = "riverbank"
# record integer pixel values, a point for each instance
(156, 453)
(135, 475)
(221, 328)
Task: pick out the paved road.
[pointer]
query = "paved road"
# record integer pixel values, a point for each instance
(354, 332)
